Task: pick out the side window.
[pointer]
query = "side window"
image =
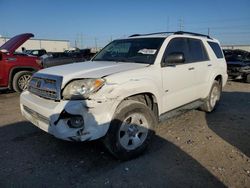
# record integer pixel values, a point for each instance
(177, 45)
(197, 50)
(35, 52)
(216, 48)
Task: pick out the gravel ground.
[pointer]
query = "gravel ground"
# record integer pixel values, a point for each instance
(194, 149)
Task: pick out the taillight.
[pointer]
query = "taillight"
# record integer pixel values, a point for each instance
(39, 62)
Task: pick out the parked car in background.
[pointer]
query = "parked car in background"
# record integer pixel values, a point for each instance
(17, 68)
(70, 56)
(36, 52)
(238, 64)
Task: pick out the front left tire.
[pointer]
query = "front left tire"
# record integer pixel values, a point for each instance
(130, 130)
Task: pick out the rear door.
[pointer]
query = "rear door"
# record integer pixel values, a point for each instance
(200, 60)
(178, 79)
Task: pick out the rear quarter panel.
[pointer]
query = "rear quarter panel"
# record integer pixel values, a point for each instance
(219, 67)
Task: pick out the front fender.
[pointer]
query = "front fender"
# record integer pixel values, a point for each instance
(119, 92)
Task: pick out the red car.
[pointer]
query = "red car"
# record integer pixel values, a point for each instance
(16, 68)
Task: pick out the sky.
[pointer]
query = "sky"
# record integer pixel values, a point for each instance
(90, 23)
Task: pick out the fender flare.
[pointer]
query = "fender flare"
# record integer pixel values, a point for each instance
(211, 80)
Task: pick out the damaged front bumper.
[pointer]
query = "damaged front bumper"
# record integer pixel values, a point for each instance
(93, 117)
(238, 72)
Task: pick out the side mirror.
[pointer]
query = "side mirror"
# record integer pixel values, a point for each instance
(175, 58)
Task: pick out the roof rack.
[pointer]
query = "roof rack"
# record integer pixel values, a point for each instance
(158, 33)
(175, 33)
(190, 33)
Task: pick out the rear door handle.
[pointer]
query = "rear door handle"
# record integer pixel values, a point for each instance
(209, 65)
(191, 68)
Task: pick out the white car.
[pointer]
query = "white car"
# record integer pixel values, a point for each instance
(130, 85)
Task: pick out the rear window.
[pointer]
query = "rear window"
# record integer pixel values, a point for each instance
(216, 48)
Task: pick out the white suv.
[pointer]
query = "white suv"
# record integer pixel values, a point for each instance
(122, 93)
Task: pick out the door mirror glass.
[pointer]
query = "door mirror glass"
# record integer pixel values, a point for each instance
(175, 58)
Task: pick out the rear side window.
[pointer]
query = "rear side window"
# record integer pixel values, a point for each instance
(216, 48)
(197, 50)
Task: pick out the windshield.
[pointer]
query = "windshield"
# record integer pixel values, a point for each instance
(140, 50)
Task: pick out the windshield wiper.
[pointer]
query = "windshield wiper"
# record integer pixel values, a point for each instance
(117, 60)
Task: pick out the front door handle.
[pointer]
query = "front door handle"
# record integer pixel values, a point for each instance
(11, 59)
(209, 65)
(191, 68)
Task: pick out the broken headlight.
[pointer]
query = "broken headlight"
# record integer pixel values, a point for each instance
(82, 89)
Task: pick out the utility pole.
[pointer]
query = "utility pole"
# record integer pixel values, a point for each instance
(81, 41)
(181, 24)
(167, 23)
(208, 31)
(77, 40)
(95, 43)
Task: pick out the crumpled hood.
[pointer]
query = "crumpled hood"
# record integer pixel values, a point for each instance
(90, 69)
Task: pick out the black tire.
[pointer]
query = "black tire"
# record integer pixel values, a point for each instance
(21, 80)
(248, 78)
(116, 142)
(213, 98)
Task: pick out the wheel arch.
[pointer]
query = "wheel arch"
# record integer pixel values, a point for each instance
(18, 69)
(219, 79)
(148, 98)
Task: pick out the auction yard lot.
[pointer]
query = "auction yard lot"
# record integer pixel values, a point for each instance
(194, 149)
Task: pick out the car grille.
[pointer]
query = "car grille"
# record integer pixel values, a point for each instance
(36, 115)
(46, 86)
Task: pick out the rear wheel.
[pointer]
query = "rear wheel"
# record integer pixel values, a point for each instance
(213, 97)
(130, 130)
(21, 80)
(248, 78)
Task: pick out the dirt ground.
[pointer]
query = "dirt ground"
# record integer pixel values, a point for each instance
(194, 149)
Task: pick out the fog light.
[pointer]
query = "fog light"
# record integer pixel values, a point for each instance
(76, 121)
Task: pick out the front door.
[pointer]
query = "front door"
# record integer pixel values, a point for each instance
(178, 78)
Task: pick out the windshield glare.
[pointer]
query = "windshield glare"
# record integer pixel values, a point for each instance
(140, 50)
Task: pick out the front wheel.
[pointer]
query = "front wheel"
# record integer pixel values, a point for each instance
(213, 97)
(130, 130)
(21, 80)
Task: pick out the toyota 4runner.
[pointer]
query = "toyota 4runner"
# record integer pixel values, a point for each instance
(130, 85)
